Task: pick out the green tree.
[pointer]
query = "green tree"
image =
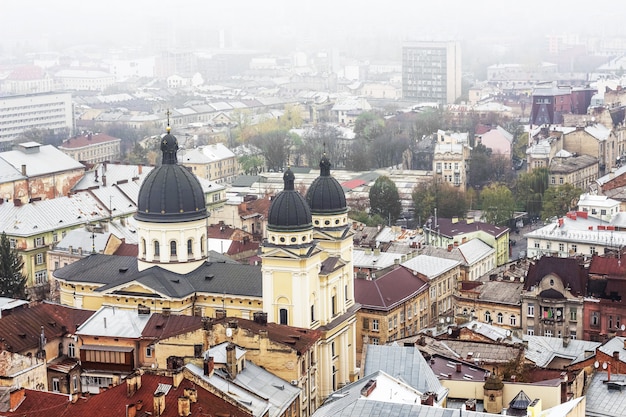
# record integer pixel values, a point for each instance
(12, 280)
(385, 200)
(529, 190)
(497, 203)
(250, 164)
(447, 199)
(557, 201)
(274, 146)
(362, 217)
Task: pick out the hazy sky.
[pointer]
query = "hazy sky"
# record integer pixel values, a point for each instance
(130, 22)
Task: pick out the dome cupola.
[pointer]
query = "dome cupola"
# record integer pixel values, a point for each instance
(325, 196)
(289, 211)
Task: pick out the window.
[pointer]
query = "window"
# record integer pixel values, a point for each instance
(500, 318)
(610, 322)
(55, 237)
(603, 212)
(332, 349)
(313, 313)
(143, 246)
(530, 331)
(333, 302)
(71, 350)
(402, 317)
(149, 350)
(39, 259)
(594, 318)
(283, 316)
(197, 351)
(618, 321)
(173, 248)
(572, 334)
(574, 248)
(366, 323)
(390, 324)
(12, 243)
(157, 248)
(75, 383)
(572, 314)
(531, 310)
(345, 290)
(487, 316)
(41, 277)
(513, 320)
(374, 340)
(552, 180)
(592, 250)
(189, 247)
(548, 333)
(56, 386)
(39, 241)
(375, 325)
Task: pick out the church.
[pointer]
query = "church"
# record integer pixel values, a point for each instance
(305, 278)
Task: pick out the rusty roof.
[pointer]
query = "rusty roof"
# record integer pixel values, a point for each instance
(389, 290)
(39, 404)
(567, 269)
(86, 140)
(162, 326)
(63, 364)
(20, 328)
(299, 339)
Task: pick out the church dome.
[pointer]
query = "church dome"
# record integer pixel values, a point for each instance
(170, 193)
(325, 195)
(289, 211)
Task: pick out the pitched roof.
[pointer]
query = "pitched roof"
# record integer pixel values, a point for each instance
(87, 140)
(430, 266)
(40, 159)
(114, 322)
(457, 228)
(21, 327)
(388, 290)
(568, 269)
(36, 404)
(161, 326)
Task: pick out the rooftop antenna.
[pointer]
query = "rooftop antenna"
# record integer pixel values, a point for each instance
(93, 241)
(168, 113)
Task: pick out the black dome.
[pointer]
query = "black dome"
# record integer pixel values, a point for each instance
(325, 195)
(170, 193)
(288, 210)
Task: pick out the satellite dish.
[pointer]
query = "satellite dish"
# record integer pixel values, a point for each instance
(508, 333)
(623, 327)
(596, 364)
(449, 330)
(229, 332)
(604, 365)
(448, 319)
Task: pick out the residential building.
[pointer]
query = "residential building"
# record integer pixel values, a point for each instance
(368, 262)
(249, 215)
(476, 258)
(394, 305)
(604, 310)
(29, 79)
(599, 206)
(549, 103)
(18, 370)
(346, 110)
(451, 159)
(91, 148)
(442, 276)
(578, 170)
(212, 162)
(431, 72)
(290, 353)
(552, 300)
(448, 233)
(236, 243)
(495, 138)
(576, 233)
(21, 113)
(32, 172)
(83, 80)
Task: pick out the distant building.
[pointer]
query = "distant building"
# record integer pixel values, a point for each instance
(18, 114)
(91, 148)
(578, 170)
(83, 80)
(27, 80)
(451, 158)
(213, 162)
(431, 72)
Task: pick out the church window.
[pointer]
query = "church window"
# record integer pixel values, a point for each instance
(189, 247)
(283, 316)
(293, 239)
(173, 248)
(157, 248)
(143, 246)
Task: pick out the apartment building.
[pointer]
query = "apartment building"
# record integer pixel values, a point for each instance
(18, 114)
(213, 162)
(451, 158)
(92, 148)
(431, 71)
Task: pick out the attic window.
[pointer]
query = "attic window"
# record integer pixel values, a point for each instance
(23, 335)
(122, 270)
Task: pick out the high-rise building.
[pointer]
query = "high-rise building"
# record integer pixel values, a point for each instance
(18, 114)
(431, 71)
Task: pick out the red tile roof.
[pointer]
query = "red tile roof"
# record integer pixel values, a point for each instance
(162, 327)
(389, 290)
(25, 73)
(113, 401)
(602, 265)
(353, 184)
(127, 249)
(21, 327)
(41, 404)
(259, 206)
(88, 139)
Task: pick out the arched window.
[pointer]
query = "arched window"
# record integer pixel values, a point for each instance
(284, 318)
(189, 247)
(173, 248)
(202, 245)
(513, 320)
(143, 246)
(487, 317)
(500, 318)
(71, 350)
(157, 248)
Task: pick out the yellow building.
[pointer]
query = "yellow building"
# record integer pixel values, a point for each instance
(213, 162)
(308, 273)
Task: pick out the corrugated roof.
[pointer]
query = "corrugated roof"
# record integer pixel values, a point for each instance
(430, 266)
(114, 322)
(40, 159)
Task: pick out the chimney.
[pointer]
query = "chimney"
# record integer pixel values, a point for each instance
(470, 405)
(458, 367)
(428, 398)
(158, 403)
(184, 406)
(131, 384)
(104, 180)
(139, 169)
(260, 318)
(15, 398)
(131, 410)
(368, 388)
(177, 378)
(24, 169)
(534, 408)
(209, 365)
(616, 355)
(139, 405)
(565, 341)
(231, 360)
(192, 394)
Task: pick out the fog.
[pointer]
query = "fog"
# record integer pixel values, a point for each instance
(42, 25)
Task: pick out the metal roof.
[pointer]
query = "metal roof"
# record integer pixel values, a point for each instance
(114, 322)
(40, 159)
